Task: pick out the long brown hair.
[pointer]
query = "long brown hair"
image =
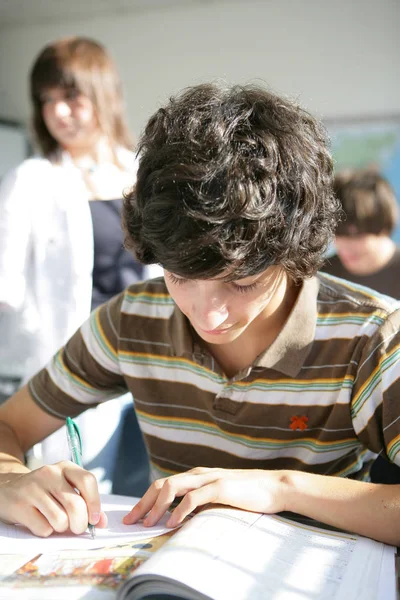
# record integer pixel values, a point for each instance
(84, 65)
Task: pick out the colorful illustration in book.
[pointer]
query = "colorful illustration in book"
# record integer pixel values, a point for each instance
(105, 567)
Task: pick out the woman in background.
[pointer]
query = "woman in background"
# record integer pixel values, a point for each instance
(61, 243)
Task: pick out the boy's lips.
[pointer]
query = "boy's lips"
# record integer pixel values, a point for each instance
(215, 331)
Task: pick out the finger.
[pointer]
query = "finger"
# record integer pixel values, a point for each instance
(174, 487)
(76, 511)
(145, 503)
(75, 508)
(103, 521)
(36, 501)
(86, 483)
(53, 511)
(162, 493)
(37, 523)
(192, 500)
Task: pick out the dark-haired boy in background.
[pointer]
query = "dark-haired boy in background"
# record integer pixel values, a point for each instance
(365, 252)
(257, 382)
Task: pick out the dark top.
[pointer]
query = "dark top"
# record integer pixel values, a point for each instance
(114, 267)
(386, 281)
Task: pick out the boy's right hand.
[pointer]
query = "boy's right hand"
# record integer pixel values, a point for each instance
(45, 500)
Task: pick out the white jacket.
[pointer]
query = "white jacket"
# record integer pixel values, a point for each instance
(46, 260)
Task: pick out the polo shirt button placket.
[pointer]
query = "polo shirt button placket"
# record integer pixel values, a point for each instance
(223, 402)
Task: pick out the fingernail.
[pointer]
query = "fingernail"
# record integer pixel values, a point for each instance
(95, 518)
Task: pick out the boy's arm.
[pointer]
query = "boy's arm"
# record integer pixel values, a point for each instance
(22, 424)
(43, 500)
(368, 509)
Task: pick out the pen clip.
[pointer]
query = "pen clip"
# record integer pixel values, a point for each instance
(73, 431)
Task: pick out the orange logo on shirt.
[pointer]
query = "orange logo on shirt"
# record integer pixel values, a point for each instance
(298, 423)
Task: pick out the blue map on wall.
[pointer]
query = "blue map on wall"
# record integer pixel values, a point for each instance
(369, 143)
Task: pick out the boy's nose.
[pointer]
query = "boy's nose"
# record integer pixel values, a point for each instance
(212, 319)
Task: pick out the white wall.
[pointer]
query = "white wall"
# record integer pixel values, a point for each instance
(339, 58)
(13, 147)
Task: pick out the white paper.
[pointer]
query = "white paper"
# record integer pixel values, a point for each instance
(15, 539)
(79, 592)
(387, 588)
(9, 563)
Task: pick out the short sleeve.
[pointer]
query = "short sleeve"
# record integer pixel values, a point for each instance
(375, 404)
(86, 371)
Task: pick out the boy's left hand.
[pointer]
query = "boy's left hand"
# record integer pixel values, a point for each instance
(255, 490)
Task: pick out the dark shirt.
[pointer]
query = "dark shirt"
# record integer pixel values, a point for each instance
(114, 267)
(386, 280)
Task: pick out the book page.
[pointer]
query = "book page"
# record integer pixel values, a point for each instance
(15, 538)
(388, 583)
(264, 556)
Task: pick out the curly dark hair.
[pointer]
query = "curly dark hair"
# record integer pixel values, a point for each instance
(231, 180)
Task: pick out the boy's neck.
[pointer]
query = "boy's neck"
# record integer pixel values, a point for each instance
(241, 353)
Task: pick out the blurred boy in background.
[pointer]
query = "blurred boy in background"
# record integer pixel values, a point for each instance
(365, 252)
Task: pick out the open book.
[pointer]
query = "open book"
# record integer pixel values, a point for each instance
(227, 553)
(223, 553)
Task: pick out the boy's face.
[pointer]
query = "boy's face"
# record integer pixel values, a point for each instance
(358, 253)
(221, 311)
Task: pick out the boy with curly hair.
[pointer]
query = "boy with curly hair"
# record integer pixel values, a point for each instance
(258, 382)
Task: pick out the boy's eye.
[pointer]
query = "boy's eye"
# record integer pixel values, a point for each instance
(176, 280)
(244, 288)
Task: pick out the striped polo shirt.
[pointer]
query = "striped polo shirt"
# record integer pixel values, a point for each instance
(320, 398)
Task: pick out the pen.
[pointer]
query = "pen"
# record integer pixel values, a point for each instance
(75, 447)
